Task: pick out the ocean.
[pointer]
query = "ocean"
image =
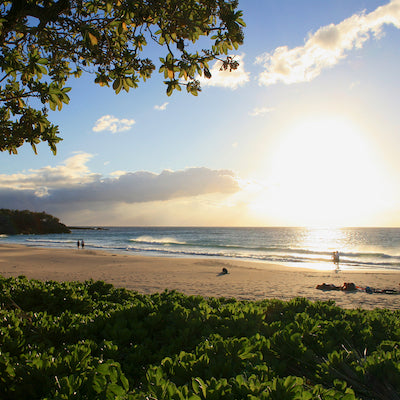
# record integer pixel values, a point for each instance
(359, 248)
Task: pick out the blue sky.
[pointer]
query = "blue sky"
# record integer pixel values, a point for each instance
(306, 132)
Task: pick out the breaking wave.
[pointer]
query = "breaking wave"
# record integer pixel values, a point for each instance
(152, 240)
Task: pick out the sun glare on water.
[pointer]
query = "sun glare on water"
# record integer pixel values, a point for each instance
(322, 173)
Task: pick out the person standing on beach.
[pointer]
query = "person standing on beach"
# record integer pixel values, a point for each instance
(335, 258)
(77, 243)
(82, 243)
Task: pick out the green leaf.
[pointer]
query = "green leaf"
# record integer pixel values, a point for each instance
(124, 381)
(170, 89)
(103, 369)
(115, 389)
(199, 386)
(99, 383)
(10, 371)
(348, 396)
(117, 85)
(43, 61)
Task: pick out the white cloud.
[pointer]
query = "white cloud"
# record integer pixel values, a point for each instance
(163, 106)
(326, 47)
(228, 79)
(113, 124)
(41, 192)
(261, 111)
(73, 171)
(117, 174)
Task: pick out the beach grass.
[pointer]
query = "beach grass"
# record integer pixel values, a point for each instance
(91, 340)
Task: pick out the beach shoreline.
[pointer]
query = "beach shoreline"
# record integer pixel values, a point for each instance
(246, 280)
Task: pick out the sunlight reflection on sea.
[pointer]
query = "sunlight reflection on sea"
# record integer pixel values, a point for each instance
(359, 248)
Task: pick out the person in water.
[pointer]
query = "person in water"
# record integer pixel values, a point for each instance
(335, 257)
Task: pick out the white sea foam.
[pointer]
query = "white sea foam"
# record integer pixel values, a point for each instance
(152, 240)
(51, 240)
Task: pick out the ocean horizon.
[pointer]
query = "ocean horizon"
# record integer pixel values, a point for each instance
(359, 248)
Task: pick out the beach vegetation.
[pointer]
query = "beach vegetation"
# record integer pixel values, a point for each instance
(89, 340)
(45, 43)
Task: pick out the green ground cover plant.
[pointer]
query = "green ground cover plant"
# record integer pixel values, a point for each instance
(89, 340)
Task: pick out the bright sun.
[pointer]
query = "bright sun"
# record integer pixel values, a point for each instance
(322, 173)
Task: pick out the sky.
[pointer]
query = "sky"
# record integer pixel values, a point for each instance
(305, 133)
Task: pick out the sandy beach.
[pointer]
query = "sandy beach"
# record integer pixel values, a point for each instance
(197, 276)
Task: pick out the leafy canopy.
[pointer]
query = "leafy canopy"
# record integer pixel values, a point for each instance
(45, 42)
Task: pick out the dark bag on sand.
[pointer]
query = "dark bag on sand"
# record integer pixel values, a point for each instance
(325, 286)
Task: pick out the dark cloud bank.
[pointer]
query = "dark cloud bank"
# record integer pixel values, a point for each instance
(137, 187)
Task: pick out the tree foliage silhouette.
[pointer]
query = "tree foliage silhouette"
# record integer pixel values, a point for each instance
(45, 42)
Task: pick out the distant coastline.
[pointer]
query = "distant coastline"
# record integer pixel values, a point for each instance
(89, 228)
(25, 222)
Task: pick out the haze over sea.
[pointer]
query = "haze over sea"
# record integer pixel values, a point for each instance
(359, 248)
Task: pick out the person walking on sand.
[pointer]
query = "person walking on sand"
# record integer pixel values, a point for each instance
(77, 243)
(82, 243)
